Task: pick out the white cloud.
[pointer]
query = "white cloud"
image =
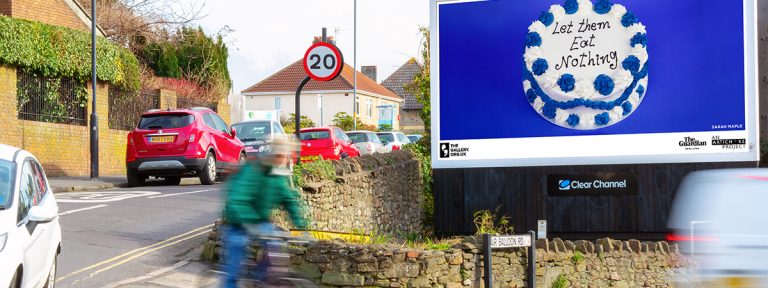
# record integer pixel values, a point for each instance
(270, 34)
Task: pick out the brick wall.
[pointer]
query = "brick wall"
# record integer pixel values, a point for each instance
(5, 7)
(224, 110)
(63, 150)
(53, 12)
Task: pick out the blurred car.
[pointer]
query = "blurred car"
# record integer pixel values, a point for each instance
(329, 143)
(181, 143)
(718, 218)
(414, 137)
(30, 234)
(257, 135)
(367, 142)
(393, 140)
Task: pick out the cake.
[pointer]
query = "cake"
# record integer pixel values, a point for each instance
(585, 65)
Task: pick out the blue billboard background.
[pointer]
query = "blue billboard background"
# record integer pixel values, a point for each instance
(696, 77)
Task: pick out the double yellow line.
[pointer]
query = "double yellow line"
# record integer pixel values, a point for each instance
(133, 254)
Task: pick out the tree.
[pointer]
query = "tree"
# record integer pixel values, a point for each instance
(289, 123)
(420, 87)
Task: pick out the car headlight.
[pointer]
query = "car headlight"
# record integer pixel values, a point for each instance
(267, 147)
(261, 148)
(3, 239)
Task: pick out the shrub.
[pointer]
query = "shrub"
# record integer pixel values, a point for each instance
(421, 150)
(560, 282)
(577, 258)
(59, 52)
(488, 222)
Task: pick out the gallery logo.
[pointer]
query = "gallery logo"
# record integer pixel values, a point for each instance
(445, 150)
(564, 185)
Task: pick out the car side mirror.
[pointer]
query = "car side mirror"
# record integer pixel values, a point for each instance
(43, 213)
(233, 132)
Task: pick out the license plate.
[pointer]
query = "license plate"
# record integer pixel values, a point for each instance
(161, 139)
(310, 158)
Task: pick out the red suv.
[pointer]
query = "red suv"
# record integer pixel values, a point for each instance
(181, 143)
(329, 143)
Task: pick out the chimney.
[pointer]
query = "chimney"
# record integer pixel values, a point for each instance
(369, 71)
(318, 38)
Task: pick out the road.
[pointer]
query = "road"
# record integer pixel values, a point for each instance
(114, 235)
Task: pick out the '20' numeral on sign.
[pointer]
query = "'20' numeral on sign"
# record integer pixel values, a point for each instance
(328, 58)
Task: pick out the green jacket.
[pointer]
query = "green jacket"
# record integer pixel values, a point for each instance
(254, 191)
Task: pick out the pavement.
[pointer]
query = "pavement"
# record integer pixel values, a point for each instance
(77, 184)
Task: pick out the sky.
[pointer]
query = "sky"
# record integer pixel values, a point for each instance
(271, 34)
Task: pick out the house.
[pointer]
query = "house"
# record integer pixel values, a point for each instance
(320, 101)
(410, 120)
(65, 13)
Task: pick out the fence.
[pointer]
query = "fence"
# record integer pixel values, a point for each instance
(185, 102)
(52, 100)
(125, 108)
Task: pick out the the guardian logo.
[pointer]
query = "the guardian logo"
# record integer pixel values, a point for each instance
(565, 185)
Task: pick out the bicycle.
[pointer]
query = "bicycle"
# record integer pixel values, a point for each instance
(277, 274)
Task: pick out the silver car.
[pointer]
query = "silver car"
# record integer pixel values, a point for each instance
(367, 142)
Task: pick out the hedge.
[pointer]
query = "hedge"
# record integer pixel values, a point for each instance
(60, 52)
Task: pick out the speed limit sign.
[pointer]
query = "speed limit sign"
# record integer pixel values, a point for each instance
(323, 61)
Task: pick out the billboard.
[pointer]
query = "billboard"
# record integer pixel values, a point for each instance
(580, 82)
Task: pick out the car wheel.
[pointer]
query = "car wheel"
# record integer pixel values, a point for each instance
(242, 159)
(208, 175)
(343, 155)
(172, 180)
(51, 282)
(135, 180)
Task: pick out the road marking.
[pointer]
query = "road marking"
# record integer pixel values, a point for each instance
(82, 209)
(139, 250)
(149, 275)
(101, 196)
(182, 193)
(147, 252)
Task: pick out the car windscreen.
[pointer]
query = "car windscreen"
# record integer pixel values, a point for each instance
(165, 121)
(315, 135)
(357, 137)
(252, 131)
(386, 137)
(6, 179)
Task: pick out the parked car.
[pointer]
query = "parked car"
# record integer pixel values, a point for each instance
(718, 218)
(173, 144)
(329, 143)
(30, 234)
(257, 135)
(414, 137)
(367, 142)
(393, 140)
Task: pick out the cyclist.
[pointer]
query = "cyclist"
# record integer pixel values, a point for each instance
(259, 187)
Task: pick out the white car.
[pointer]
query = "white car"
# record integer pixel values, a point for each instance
(393, 140)
(718, 219)
(30, 235)
(367, 142)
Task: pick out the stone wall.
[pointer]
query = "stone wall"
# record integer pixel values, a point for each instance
(373, 194)
(603, 263)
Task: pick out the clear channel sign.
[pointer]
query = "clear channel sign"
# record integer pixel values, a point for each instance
(323, 61)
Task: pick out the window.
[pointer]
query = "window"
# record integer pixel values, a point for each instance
(357, 107)
(220, 124)
(208, 120)
(401, 137)
(165, 121)
(276, 129)
(374, 138)
(6, 182)
(340, 134)
(27, 191)
(369, 108)
(278, 105)
(252, 131)
(315, 135)
(386, 137)
(357, 137)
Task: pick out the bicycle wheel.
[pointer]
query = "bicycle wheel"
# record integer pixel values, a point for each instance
(210, 279)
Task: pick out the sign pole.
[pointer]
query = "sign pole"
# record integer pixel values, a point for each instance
(532, 260)
(298, 114)
(487, 260)
(94, 118)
